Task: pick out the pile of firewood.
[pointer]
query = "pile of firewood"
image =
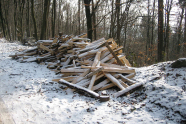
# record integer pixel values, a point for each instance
(84, 66)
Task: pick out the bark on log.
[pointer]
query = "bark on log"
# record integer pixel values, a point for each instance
(85, 90)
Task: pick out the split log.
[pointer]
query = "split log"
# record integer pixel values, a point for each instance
(73, 70)
(115, 56)
(111, 69)
(106, 86)
(81, 76)
(114, 80)
(122, 92)
(97, 58)
(92, 82)
(125, 61)
(45, 48)
(31, 53)
(126, 79)
(101, 84)
(85, 90)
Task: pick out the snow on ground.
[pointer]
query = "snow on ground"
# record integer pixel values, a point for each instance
(31, 97)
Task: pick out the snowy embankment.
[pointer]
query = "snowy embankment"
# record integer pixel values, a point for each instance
(31, 97)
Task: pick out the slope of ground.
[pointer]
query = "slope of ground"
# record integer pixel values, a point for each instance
(31, 96)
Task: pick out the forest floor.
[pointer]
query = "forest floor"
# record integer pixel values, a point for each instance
(30, 96)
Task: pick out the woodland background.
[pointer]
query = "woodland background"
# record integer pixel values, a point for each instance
(149, 30)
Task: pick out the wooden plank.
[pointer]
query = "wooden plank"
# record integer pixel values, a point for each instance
(112, 65)
(81, 76)
(123, 58)
(104, 87)
(70, 74)
(92, 82)
(122, 92)
(111, 69)
(46, 48)
(114, 80)
(70, 78)
(115, 56)
(92, 45)
(126, 79)
(73, 70)
(107, 86)
(31, 53)
(97, 58)
(101, 84)
(55, 41)
(88, 53)
(94, 72)
(122, 83)
(67, 62)
(85, 90)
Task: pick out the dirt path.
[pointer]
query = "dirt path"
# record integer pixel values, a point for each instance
(5, 117)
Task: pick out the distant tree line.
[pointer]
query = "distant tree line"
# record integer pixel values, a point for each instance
(143, 27)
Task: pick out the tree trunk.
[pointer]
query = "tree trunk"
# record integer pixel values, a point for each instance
(53, 17)
(28, 19)
(79, 21)
(15, 20)
(112, 21)
(88, 17)
(118, 20)
(94, 20)
(6, 20)
(34, 20)
(169, 7)
(179, 33)
(184, 39)
(160, 30)
(2, 20)
(152, 33)
(45, 18)
(148, 32)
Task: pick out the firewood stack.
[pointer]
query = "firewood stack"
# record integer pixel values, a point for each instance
(84, 66)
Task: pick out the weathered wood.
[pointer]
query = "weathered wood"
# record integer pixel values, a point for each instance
(70, 74)
(125, 61)
(73, 70)
(106, 86)
(111, 69)
(31, 53)
(94, 72)
(122, 92)
(81, 76)
(126, 79)
(122, 83)
(85, 90)
(101, 84)
(46, 48)
(115, 56)
(55, 41)
(88, 53)
(114, 80)
(67, 62)
(92, 82)
(112, 65)
(108, 57)
(97, 58)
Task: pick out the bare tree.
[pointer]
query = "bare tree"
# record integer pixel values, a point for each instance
(45, 18)
(160, 30)
(34, 19)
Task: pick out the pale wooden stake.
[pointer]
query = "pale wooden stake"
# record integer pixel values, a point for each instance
(92, 82)
(114, 80)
